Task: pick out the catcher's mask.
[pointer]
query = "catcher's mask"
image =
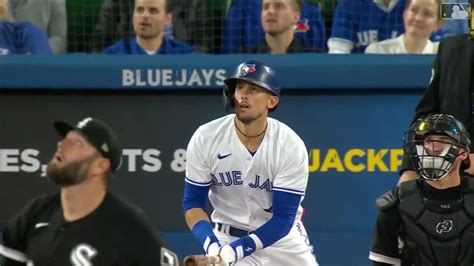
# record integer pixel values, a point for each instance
(433, 143)
(254, 72)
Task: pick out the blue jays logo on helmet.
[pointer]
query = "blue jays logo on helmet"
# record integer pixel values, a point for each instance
(247, 68)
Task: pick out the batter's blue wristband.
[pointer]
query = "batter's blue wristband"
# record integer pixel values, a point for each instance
(246, 245)
(203, 230)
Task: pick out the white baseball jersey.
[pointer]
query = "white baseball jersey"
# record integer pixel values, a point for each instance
(242, 184)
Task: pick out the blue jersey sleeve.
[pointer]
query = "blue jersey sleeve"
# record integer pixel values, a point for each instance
(242, 27)
(231, 33)
(343, 23)
(311, 29)
(195, 195)
(285, 207)
(33, 40)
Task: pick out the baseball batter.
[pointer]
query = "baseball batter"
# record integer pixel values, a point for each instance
(255, 171)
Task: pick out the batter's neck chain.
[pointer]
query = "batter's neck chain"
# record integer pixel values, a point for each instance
(249, 136)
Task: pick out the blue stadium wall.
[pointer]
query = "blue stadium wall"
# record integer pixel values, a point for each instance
(350, 110)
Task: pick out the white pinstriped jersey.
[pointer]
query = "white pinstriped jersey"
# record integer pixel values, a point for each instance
(242, 184)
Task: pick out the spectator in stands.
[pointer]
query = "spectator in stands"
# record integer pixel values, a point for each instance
(5, 11)
(189, 23)
(357, 24)
(421, 18)
(48, 15)
(243, 27)
(149, 20)
(20, 38)
(279, 18)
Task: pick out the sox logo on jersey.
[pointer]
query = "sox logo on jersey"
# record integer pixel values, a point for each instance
(82, 254)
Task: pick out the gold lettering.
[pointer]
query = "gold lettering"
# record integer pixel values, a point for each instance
(356, 168)
(332, 160)
(375, 159)
(396, 156)
(314, 157)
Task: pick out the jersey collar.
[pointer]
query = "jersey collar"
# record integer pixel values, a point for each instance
(385, 8)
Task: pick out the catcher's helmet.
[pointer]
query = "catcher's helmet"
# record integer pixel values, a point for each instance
(436, 166)
(254, 72)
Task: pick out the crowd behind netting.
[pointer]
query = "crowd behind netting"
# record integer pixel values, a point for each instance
(229, 26)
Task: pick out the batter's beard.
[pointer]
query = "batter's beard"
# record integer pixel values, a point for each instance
(247, 119)
(69, 175)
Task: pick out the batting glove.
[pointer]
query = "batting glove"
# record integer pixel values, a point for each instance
(203, 231)
(211, 246)
(237, 250)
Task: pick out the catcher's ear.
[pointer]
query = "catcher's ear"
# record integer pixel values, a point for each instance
(464, 154)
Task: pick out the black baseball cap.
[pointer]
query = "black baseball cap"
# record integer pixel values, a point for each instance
(100, 135)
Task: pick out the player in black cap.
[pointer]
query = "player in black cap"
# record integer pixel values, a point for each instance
(83, 224)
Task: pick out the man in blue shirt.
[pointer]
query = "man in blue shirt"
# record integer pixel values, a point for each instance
(278, 19)
(22, 38)
(149, 20)
(243, 26)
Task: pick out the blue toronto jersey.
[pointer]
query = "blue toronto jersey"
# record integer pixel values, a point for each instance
(130, 46)
(363, 22)
(243, 26)
(22, 38)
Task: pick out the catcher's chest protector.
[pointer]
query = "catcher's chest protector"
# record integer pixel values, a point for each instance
(436, 233)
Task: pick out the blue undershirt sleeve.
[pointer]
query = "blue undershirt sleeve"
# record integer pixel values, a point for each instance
(285, 206)
(194, 196)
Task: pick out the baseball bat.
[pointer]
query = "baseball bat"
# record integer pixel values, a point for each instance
(201, 260)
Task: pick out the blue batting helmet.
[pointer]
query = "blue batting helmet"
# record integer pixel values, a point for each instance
(254, 72)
